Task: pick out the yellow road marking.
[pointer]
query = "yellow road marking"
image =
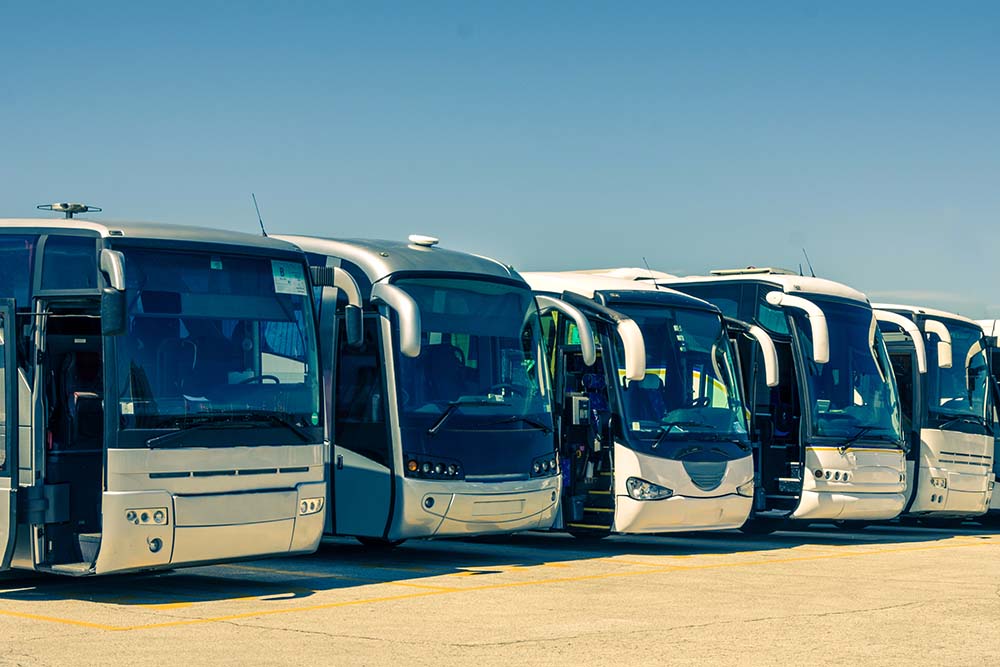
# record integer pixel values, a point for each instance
(486, 587)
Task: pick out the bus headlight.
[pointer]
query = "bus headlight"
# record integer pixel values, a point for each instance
(939, 482)
(309, 506)
(149, 516)
(545, 466)
(745, 490)
(640, 489)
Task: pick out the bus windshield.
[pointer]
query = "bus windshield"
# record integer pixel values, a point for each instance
(217, 335)
(478, 393)
(957, 395)
(854, 394)
(690, 390)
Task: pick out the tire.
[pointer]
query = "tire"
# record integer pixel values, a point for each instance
(757, 526)
(378, 542)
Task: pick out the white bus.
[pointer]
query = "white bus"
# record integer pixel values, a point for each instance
(942, 370)
(829, 441)
(437, 391)
(651, 423)
(992, 330)
(161, 402)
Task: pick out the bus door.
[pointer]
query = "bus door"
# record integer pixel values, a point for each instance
(8, 433)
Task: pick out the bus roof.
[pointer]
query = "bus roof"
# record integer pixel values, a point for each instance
(588, 283)
(991, 327)
(380, 258)
(928, 312)
(147, 231)
(791, 284)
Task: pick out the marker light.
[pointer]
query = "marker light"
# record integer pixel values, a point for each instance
(411, 465)
(536, 467)
(745, 490)
(309, 506)
(640, 489)
(939, 482)
(452, 469)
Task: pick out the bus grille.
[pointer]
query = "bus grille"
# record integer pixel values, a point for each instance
(706, 475)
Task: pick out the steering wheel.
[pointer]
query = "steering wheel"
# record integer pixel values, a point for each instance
(518, 389)
(260, 378)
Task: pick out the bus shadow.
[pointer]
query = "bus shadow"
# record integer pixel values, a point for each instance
(345, 564)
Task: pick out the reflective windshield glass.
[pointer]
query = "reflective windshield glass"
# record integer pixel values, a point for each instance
(216, 335)
(478, 392)
(690, 389)
(854, 394)
(958, 392)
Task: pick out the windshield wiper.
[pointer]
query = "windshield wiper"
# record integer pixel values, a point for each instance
(455, 405)
(229, 420)
(862, 431)
(524, 420)
(969, 419)
(666, 428)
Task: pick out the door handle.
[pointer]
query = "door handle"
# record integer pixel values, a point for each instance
(340, 461)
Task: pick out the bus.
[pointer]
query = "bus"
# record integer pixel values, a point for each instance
(828, 436)
(942, 371)
(438, 397)
(650, 421)
(161, 401)
(992, 330)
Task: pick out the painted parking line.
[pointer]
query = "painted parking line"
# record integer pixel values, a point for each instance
(259, 613)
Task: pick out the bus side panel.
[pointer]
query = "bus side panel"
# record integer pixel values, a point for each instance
(361, 494)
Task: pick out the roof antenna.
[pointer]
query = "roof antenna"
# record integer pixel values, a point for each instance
(69, 209)
(259, 219)
(655, 286)
(810, 264)
(800, 269)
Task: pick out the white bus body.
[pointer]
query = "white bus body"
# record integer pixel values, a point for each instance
(438, 390)
(652, 432)
(161, 403)
(950, 457)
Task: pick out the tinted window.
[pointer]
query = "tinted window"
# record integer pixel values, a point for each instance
(70, 263)
(16, 258)
(725, 297)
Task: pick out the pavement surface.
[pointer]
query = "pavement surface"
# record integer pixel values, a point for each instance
(884, 595)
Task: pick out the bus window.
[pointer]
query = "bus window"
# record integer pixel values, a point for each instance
(70, 262)
(16, 258)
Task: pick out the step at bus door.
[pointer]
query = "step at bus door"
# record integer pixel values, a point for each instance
(8, 433)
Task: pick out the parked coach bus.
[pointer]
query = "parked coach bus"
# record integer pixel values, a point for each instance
(651, 424)
(829, 438)
(161, 402)
(992, 329)
(437, 391)
(942, 370)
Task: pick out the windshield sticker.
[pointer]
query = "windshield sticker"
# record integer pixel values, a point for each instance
(216, 264)
(289, 278)
(128, 408)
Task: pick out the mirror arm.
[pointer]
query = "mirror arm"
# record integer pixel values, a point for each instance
(944, 344)
(587, 347)
(817, 322)
(635, 349)
(409, 316)
(912, 330)
(769, 352)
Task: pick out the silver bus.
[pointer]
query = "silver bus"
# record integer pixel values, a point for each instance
(437, 392)
(161, 398)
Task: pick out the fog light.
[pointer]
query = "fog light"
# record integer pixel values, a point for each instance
(154, 544)
(428, 502)
(818, 473)
(640, 489)
(411, 465)
(159, 516)
(309, 506)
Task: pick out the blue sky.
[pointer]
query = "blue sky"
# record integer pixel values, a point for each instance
(551, 135)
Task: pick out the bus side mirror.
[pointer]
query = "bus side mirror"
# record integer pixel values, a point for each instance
(353, 318)
(113, 320)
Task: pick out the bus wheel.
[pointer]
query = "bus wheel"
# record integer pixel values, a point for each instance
(378, 542)
(935, 522)
(758, 526)
(851, 525)
(588, 535)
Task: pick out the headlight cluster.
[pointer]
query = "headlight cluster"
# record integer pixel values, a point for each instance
(835, 475)
(309, 506)
(745, 490)
(640, 489)
(545, 466)
(436, 468)
(152, 516)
